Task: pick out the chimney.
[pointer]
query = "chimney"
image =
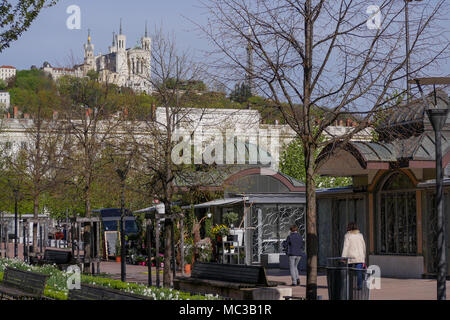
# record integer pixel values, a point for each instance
(9, 116)
(341, 123)
(55, 115)
(16, 112)
(27, 115)
(349, 122)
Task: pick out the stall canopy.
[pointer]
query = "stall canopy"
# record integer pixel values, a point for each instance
(216, 203)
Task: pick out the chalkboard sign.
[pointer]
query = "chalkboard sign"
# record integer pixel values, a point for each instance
(111, 238)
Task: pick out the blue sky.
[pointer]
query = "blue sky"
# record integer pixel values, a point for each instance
(50, 40)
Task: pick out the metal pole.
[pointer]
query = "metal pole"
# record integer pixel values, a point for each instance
(122, 235)
(25, 241)
(40, 237)
(149, 234)
(122, 251)
(157, 263)
(182, 244)
(442, 261)
(172, 234)
(15, 224)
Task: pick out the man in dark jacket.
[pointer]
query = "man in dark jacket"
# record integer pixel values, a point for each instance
(295, 246)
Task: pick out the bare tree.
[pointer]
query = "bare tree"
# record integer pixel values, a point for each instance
(317, 60)
(89, 109)
(39, 161)
(172, 79)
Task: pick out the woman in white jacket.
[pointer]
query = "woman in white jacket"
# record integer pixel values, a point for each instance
(355, 250)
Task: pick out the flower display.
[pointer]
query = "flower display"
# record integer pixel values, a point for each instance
(220, 230)
(56, 287)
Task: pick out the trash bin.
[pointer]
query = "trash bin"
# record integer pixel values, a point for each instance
(337, 278)
(359, 291)
(343, 283)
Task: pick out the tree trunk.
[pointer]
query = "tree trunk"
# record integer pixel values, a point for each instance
(311, 226)
(35, 228)
(167, 277)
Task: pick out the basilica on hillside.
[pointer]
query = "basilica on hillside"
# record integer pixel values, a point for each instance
(122, 66)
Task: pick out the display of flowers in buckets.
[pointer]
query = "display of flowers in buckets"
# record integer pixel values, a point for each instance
(219, 232)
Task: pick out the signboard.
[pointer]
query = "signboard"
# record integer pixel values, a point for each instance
(111, 238)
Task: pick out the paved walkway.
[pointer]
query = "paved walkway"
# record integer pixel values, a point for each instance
(391, 289)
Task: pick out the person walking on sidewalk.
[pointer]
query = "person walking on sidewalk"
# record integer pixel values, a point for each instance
(295, 245)
(355, 250)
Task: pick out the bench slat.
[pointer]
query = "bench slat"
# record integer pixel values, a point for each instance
(91, 292)
(19, 283)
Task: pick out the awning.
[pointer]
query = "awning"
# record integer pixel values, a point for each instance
(277, 199)
(159, 206)
(216, 203)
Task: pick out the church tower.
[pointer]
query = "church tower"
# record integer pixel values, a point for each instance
(121, 56)
(89, 58)
(113, 47)
(146, 42)
(121, 39)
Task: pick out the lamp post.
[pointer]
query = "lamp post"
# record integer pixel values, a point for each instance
(16, 193)
(438, 117)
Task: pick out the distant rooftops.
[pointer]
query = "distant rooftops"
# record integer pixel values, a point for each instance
(7, 67)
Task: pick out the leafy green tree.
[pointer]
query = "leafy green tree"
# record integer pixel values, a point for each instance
(17, 16)
(292, 163)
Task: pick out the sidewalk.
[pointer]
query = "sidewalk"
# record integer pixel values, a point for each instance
(391, 289)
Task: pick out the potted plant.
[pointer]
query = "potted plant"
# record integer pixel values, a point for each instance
(188, 255)
(230, 218)
(219, 232)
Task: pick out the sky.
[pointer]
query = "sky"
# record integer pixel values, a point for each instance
(49, 39)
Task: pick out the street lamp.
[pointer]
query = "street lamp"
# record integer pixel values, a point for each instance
(438, 118)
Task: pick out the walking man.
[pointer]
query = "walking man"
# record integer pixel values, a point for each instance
(295, 246)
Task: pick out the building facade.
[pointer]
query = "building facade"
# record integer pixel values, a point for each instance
(7, 72)
(122, 66)
(5, 100)
(393, 192)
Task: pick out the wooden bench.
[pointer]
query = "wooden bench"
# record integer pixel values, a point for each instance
(22, 284)
(91, 292)
(226, 280)
(61, 258)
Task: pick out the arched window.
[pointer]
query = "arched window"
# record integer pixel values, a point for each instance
(396, 225)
